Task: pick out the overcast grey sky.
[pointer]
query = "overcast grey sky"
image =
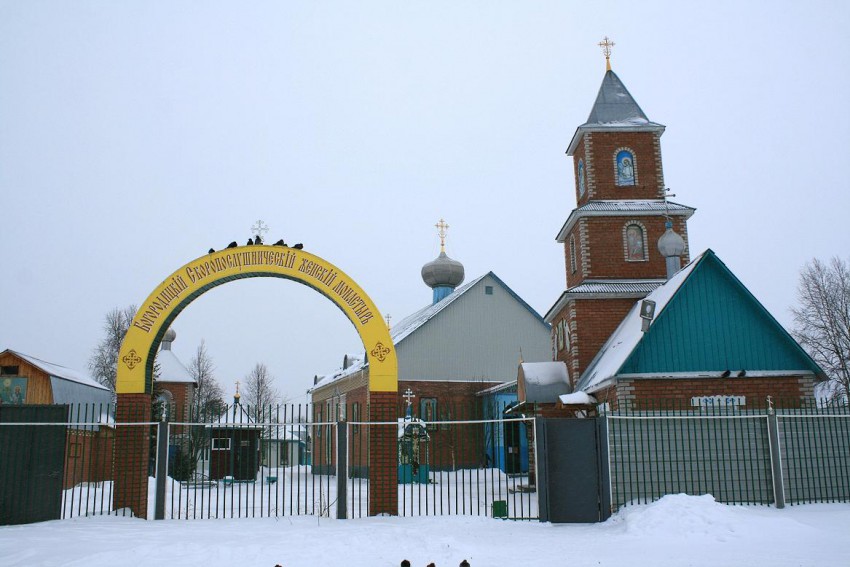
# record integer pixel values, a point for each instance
(136, 135)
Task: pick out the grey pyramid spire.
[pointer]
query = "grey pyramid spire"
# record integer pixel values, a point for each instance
(614, 104)
(614, 110)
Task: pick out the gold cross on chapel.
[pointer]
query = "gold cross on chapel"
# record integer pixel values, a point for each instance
(442, 227)
(606, 45)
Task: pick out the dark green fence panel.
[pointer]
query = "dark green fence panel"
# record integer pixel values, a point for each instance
(656, 453)
(32, 463)
(815, 445)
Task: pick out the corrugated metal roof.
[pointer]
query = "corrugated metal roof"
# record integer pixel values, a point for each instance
(70, 392)
(706, 321)
(418, 319)
(593, 289)
(634, 205)
(618, 286)
(654, 207)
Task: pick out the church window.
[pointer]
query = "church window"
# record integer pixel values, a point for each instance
(221, 444)
(9, 370)
(581, 182)
(488, 290)
(573, 254)
(564, 330)
(355, 416)
(626, 170)
(428, 411)
(328, 445)
(634, 237)
(340, 408)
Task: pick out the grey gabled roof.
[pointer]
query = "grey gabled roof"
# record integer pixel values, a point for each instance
(614, 109)
(618, 208)
(416, 320)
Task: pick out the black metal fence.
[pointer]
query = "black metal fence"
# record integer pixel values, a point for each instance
(445, 469)
(779, 452)
(286, 460)
(239, 461)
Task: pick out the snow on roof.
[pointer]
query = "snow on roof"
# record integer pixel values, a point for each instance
(412, 425)
(579, 398)
(411, 323)
(171, 369)
(623, 341)
(60, 371)
(655, 207)
(590, 289)
(404, 329)
(543, 382)
(544, 373)
(230, 416)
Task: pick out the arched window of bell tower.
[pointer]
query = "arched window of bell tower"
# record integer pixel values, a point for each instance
(625, 167)
(634, 242)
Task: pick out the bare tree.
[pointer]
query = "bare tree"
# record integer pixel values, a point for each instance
(822, 319)
(103, 362)
(259, 391)
(209, 396)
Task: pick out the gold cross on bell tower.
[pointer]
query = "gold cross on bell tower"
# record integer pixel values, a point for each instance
(606, 45)
(442, 227)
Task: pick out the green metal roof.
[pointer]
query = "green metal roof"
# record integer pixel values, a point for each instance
(713, 323)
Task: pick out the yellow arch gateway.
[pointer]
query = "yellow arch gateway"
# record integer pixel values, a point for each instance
(136, 358)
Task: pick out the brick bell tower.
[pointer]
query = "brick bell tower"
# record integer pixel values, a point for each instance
(610, 238)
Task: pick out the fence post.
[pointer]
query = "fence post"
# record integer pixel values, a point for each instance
(604, 467)
(341, 470)
(541, 469)
(775, 457)
(161, 467)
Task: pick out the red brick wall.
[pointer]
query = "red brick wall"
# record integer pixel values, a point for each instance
(607, 250)
(596, 319)
(453, 446)
(647, 151)
(458, 446)
(132, 451)
(182, 394)
(88, 456)
(784, 391)
(383, 457)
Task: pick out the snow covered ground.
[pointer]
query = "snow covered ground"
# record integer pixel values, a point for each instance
(676, 530)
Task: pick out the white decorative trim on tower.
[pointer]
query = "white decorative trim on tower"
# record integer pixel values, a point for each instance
(584, 248)
(656, 142)
(573, 254)
(589, 168)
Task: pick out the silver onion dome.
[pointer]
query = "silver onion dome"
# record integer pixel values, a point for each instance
(443, 272)
(670, 243)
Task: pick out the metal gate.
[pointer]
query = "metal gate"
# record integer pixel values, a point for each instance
(32, 463)
(569, 473)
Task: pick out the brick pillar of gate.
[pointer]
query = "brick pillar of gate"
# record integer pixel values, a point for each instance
(383, 454)
(132, 452)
